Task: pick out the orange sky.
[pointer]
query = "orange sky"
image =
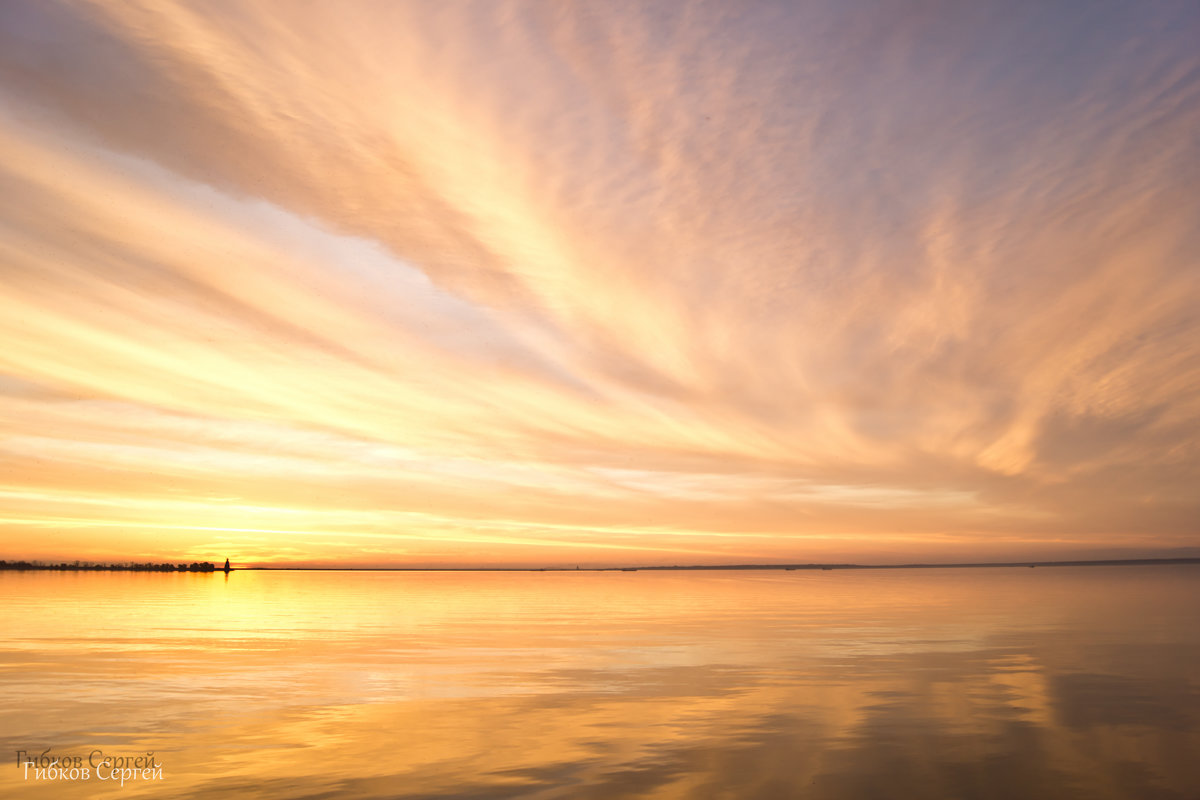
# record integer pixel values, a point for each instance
(405, 284)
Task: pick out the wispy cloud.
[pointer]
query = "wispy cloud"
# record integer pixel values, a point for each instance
(509, 283)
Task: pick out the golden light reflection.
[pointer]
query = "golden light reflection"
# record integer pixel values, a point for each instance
(611, 684)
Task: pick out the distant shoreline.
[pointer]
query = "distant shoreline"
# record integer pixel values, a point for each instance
(202, 567)
(206, 568)
(1124, 562)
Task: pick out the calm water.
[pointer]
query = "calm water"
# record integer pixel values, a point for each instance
(989, 683)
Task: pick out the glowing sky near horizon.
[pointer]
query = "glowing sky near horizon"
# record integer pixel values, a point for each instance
(538, 283)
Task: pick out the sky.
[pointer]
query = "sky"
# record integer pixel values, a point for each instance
(534, 283)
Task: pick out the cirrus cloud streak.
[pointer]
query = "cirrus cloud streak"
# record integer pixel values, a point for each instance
(385, 283)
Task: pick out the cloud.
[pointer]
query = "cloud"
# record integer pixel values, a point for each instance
(907, 278)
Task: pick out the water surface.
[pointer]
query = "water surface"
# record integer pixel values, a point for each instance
(989, 683)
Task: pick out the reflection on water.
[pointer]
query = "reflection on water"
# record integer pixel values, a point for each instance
(989, 683)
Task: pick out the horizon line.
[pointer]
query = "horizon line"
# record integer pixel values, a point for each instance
(38, 564)
(787, 566)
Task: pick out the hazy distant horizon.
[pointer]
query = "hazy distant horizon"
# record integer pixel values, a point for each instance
(1182, 554)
